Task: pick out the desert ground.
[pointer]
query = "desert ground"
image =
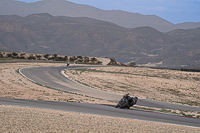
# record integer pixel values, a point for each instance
(24, 119)
(21, 119)
(156, 84)
(13, 85)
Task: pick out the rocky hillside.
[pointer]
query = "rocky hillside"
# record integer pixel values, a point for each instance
(43, 33)
(70, 9)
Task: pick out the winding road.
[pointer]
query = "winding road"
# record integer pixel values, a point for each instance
(52, 77)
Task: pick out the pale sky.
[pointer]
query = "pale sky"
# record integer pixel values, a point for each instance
(175, 11)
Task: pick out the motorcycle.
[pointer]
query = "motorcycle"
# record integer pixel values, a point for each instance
(126, 102)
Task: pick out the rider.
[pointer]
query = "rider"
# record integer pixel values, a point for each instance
(131, 100)
(127, 101)
(127, 96)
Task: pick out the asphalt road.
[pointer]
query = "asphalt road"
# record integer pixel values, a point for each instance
(52, 77)
(105, 110)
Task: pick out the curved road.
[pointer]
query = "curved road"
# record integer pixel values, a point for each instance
(52, 77)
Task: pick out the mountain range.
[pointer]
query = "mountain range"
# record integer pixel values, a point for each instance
(47, 34)
(70, 9)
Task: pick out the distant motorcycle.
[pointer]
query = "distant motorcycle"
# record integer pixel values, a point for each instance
(126, 102)
(67, 63)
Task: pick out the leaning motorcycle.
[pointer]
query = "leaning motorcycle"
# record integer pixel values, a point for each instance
(126, 103)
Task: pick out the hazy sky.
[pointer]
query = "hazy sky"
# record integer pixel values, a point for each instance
(175, 11)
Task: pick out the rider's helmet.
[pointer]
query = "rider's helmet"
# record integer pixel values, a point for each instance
(126, 95)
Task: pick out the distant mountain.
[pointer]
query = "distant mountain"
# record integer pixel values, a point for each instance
(81, 36)
(44, 33)
(66, 8)
(186, 46)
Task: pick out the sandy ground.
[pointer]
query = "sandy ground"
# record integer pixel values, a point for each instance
(162, 85)
(13, 85)
(21, 119)
(24, 120)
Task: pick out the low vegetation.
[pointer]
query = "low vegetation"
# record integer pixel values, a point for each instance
(49, 57)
